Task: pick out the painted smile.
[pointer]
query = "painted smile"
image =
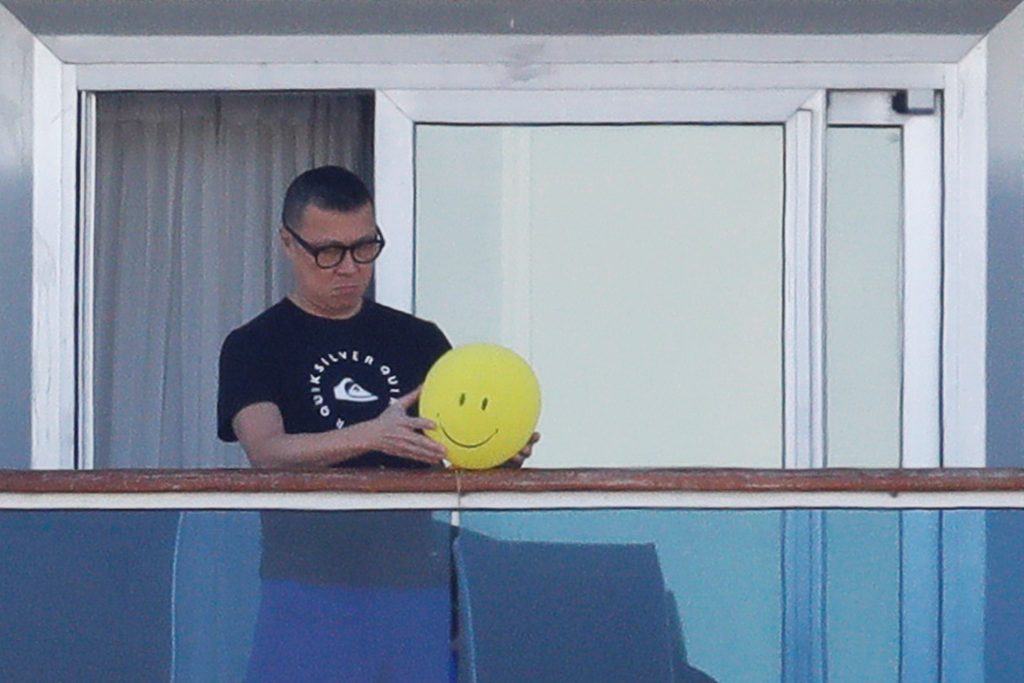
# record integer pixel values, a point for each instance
(467, 445)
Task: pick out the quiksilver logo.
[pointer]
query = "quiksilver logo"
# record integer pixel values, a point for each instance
(349, 364)
(348, 390)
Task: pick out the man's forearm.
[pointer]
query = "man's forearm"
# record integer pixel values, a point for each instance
(260, 429)
(311, 450)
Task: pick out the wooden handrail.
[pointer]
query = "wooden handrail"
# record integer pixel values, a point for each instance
(518, 481)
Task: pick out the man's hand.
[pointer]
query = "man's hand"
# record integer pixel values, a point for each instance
(397, 433)
(516, 461)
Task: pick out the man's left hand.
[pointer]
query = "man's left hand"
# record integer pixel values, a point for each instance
(516, 461)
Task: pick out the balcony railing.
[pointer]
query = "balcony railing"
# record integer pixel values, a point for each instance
(789, 576)
(585, 488)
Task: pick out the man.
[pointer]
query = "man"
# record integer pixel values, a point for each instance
(306, 383)
(326, 378)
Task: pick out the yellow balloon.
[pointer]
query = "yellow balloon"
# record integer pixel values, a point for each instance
(485, 401)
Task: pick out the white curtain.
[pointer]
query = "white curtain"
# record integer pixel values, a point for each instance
(188, 200)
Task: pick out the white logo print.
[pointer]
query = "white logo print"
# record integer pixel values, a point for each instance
(348, 390)
(364, 384)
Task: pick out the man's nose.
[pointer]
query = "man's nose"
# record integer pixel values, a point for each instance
(347, 264)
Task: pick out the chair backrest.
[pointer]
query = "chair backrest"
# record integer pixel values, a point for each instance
(561, 612)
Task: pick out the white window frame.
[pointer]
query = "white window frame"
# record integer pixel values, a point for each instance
(65, 67)
(920, 263)
(803, 113)
(799, 111)
(643, 66)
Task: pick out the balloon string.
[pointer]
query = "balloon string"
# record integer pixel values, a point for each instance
(458, 489)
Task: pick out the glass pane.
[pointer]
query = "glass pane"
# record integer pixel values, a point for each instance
(1003, 618)
(862, 596)
(638, 268)
(661, 593)
(725, 589)
(863, 296)
(717, 574)
(210, 596)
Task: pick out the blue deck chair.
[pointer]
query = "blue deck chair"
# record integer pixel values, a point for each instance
(561, 613)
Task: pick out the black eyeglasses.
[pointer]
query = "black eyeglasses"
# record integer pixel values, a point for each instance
(330, 255)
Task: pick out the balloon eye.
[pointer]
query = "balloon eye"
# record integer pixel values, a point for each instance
(462, 400)
(483, 406)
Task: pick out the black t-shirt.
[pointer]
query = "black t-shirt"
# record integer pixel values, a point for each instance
(325, 374)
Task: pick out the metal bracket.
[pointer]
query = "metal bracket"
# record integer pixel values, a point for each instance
(917, 101)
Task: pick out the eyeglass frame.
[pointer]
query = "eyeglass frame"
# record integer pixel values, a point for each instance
(346, 249)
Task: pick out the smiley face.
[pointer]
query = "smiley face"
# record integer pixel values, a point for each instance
(485, 401)
(463, 420)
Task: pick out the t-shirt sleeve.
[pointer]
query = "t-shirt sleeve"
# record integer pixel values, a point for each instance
(244, 379)
(437, 345)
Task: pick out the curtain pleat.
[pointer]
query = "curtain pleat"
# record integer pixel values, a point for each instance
(188, 200)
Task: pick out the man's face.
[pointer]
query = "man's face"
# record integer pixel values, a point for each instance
(332, 292)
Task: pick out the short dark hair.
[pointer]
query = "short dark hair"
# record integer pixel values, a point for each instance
(331, 188)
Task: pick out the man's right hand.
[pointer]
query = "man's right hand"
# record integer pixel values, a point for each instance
(397, 433)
